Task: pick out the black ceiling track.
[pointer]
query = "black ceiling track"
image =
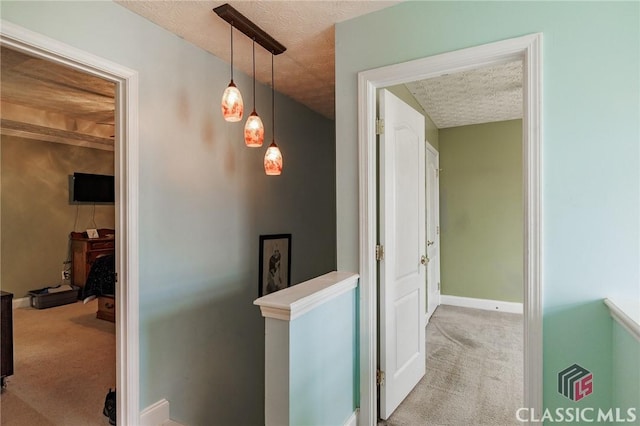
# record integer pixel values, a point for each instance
(251, 30)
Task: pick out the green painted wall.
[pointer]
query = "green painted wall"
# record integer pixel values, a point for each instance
(481, 211)
(626, 371)
(590, 152)
(323, 363)
(35, 211)
(204, 201)
(431, 131)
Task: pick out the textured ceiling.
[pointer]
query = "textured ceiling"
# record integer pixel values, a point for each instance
(482, 95)
(305, 72)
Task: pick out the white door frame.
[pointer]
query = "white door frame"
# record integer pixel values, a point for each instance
(529, 49)
(126, 203)
(435, 152)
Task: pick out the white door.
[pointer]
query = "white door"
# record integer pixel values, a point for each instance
(402, 236)
(433, 230)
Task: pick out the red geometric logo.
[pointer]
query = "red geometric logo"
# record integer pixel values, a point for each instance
(575, 382)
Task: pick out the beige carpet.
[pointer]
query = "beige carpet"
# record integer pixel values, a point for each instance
(64, 364)
(474, 371)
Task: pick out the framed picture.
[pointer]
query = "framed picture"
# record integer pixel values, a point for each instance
(275, 263)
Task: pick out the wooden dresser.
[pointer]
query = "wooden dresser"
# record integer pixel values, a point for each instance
(84, 252)
(106, 308)
(6, 335)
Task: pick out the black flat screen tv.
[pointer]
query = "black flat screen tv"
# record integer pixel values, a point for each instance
(90, 188)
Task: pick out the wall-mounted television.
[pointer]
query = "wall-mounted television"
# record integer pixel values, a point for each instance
(90, 188)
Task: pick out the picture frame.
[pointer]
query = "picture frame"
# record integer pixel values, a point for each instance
(275, 263)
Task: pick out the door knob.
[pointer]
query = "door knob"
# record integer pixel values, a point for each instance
(424, 260)
(429, 243)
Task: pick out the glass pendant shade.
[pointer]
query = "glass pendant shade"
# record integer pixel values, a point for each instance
(253, 128)
(273, 156)
(273, 160)
(232, 105)
(253, 131)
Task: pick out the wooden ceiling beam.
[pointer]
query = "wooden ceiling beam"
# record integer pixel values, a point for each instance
(18, 126)
(54, 120)
(49, 102)
(46, 138)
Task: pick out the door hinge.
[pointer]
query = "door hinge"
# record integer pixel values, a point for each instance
(379, 378)
(379, 252)
(438, 285)
(379, 126)
(115, 276)
(437, 230)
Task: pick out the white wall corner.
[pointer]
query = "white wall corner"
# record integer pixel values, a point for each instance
(484, 304)
(353, 419)
(23, 302)
(156, 414)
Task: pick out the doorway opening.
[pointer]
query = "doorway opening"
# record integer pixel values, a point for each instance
(527, 49)
(474, 341)
(126, 196)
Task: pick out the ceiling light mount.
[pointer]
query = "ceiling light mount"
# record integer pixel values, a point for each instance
(251, 30)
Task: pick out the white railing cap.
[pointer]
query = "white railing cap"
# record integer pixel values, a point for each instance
(632, 325)
(292, 302)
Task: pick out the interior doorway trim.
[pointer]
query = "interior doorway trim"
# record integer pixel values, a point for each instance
(126, 197)
(529, 50)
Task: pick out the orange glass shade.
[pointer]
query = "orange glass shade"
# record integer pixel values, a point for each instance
(273, 160)
(232, 105)
(253, 131)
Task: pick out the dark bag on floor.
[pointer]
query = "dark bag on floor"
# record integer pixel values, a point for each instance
(110, 406)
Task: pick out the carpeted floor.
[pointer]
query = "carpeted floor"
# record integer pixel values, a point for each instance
(474, 371)
(64, 364)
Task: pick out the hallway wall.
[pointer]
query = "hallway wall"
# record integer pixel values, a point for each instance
(481, 211)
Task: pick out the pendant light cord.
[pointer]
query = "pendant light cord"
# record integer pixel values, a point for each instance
(254, 74)
(273, 101)
(231, 51)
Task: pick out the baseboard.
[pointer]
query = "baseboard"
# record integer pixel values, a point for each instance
(353, 420)
(485, 304)
(156, 414)
(23, 302)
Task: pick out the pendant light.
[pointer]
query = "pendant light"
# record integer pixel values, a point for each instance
(273, 156)
(232, 106)
(253, 128)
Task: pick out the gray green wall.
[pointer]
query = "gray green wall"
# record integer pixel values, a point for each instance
(590, 152)
(204, 201)
(626, 371)
(36, 215)
(481, 211)
(431, 131)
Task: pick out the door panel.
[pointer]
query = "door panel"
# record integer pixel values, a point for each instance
(402, 233)
(407, 313)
